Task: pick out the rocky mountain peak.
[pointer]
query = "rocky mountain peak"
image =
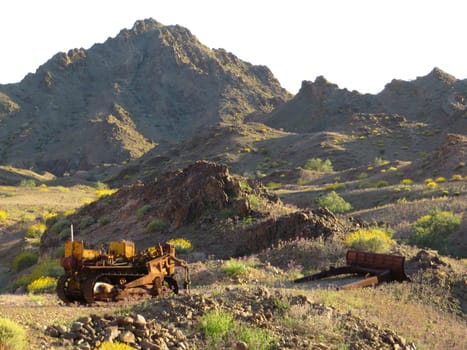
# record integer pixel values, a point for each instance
(441, 75)
(162, 78)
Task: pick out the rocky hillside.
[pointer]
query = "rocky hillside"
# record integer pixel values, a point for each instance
(151, 86)
(223, 215)
(406, 118)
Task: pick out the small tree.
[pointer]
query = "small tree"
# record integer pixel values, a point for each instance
(333, 202)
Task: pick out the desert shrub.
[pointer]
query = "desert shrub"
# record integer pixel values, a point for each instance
(406, 182)
(181, 245)
(256, 338)
(254, 201)
(3, 215)
(44, 284)
(216, 324)
(333, 202)
(45, 268)
(86, 221)
(114, 345)
(234, 267)
(141, 212)
(456, 177)
(380, 161)
(27, 183)
(156, 225)
(431, 184)
(35, 230)
(24, 260)
(60, 225)
(12, 335)
(372, 239)
(49, 216)
(433, 229)
(382, 183)
(362, 176)
(440, 179)
(318, 164)
(307, 254)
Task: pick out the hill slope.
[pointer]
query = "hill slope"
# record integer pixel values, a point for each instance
(150, 86)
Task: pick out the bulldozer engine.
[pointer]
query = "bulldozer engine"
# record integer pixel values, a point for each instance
(115, 273)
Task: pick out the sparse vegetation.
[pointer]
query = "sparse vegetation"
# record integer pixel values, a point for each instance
(181, 245)
(3, 215)
(234, 267)
(333, 202)
(45, 284)
(141, 212)
(372, 239)
(35, 230)
(24, 260)
(317, 164)
(216, 325)
(12, 335)
(156, 225)
(433, 230)
(45, 268)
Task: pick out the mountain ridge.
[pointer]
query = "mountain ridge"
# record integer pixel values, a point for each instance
(169, 83)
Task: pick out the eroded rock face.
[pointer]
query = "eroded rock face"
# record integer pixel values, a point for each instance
(222, 214)
(301, 224)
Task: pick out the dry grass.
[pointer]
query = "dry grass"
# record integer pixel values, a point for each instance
(25, 204)
(394, 308)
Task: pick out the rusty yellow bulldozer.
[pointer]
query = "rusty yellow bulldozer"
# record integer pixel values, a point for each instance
(103, 275)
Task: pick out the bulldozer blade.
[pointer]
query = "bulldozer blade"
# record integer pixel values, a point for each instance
(381, 262)
(376, 267)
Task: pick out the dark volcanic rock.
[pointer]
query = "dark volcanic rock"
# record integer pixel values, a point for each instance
(151, 85)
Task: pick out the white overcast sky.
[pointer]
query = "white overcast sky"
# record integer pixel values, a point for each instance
(357, 44)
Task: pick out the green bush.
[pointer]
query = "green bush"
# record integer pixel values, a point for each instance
(12, 335)
(256, 338)
(141, 212)
(372, 239)
(234, 267)
(382, 183)
(333, 202)
(60, 225)
(156, 225)
(35, 230)
(432, 230)
(86, 221)
(27, 183)
(24, 260)
(254, 201)
(318, 164)
(47, 267)
(216, 324)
